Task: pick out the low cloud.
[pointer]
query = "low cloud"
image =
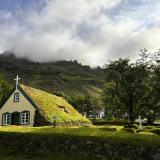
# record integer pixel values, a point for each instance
(90, 31)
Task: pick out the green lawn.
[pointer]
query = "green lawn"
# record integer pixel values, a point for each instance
(100, 132)
(118, 137)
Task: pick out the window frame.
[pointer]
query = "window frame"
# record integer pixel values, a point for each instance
(25, 118)
(6, 117)
(15, 97)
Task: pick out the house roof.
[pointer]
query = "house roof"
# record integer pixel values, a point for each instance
(27, 97)
(49, 105)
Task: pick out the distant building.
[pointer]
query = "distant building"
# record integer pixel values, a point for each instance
(100, 113)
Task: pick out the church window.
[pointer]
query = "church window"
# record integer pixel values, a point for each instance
(6, 117)
(16, 97)
(25, 116)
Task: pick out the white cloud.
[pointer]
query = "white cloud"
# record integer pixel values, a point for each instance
(88, 30)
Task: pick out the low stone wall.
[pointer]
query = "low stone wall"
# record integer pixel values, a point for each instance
(84, 146)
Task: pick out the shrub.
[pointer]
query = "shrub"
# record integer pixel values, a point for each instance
(109, 122)
(156, 131)
(109, 129)
(130, 130)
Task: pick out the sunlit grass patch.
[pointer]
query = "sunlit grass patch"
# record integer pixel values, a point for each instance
(79, 134)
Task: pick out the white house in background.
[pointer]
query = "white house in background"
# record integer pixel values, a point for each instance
(101, 113)
(97, 113)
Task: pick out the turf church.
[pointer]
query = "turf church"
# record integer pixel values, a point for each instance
(17, 108)
(27, 106)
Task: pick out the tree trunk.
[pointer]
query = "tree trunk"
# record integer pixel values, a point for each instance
(130, 117)
(150, 119)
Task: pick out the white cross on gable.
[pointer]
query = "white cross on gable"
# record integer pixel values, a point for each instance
(17, 81)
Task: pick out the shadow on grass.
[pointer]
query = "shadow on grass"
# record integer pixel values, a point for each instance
(8, 154)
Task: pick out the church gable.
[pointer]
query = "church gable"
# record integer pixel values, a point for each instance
(17, 101)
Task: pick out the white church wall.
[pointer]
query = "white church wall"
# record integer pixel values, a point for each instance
(23, 105)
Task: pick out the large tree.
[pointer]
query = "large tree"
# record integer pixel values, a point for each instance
(126, 87)
(152, 106)
(4, 87)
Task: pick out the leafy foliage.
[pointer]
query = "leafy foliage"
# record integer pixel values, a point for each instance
(133, 88)
(4, 87)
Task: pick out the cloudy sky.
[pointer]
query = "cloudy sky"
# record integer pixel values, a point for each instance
(91, 31)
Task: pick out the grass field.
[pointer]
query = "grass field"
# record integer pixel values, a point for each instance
(145, 138)
(100, 132)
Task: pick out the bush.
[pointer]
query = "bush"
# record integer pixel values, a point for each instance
(148, 127)
(135, 126)
(109, 129)
(109, 122)
(156, 131)
(130, 130)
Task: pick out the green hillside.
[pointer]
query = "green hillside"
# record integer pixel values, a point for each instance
(50, 105)
(65, 78)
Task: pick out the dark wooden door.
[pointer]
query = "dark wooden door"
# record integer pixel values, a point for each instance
(15, 120)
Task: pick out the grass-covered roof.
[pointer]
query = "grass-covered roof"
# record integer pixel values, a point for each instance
(51, 105)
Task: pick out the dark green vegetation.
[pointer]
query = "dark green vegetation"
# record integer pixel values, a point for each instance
(69, 79)
(134, 88)
(100, 122)
(9, 154)
(4, 87)
(111, 142)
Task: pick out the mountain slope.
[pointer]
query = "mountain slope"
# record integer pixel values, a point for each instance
(65, 78)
